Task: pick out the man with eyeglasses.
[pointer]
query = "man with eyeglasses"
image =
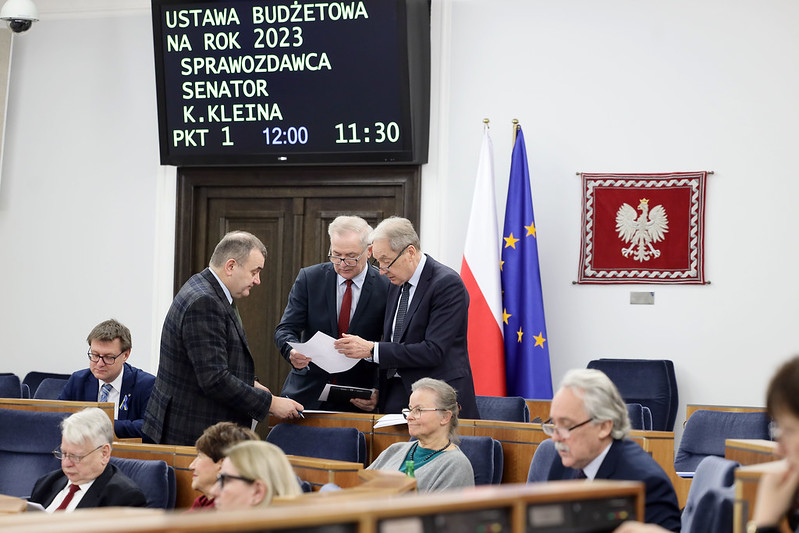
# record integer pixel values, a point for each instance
(424, 330)
(320, 292)
(589, 425)
(110, 378)
(206, 373)
(86, 479)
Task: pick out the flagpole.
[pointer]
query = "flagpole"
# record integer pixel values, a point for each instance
(515, 129)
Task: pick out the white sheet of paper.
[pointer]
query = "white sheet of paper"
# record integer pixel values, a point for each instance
(325, 356)
(390, 420)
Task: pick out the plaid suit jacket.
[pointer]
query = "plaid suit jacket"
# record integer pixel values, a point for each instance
(206, 372)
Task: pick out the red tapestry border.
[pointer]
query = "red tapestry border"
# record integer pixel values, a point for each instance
(662, 244)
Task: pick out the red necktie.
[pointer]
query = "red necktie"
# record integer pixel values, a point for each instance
(344, 313)
(72, 490)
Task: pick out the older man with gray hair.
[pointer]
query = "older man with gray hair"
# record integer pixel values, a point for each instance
(589, 425)
(343, 295)
(86, 478)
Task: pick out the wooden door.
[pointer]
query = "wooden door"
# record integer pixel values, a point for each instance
(289, 209)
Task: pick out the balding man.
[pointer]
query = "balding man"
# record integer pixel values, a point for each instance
(206, 373)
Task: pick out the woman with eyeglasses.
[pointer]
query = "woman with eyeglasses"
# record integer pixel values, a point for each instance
(252, 474)
(210, 453)
(437, 461)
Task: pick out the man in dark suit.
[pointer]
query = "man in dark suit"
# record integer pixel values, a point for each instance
(315, 302)
(110, 378)
(206, 373)
(424, 330)
(589, 423)
(86, 478)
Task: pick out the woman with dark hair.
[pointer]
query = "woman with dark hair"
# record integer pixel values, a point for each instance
(437, 461)
(211, 448)
(777, 490)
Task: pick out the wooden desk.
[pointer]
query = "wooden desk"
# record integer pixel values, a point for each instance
(56, 406)
(12, 505)
(512, 502)
(750, 451)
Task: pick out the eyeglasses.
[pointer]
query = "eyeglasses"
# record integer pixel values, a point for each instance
(550, 429)
(387, 268)
(107, 359)
(348, 261)
(72, 457)
(417, 411)
(223, 478)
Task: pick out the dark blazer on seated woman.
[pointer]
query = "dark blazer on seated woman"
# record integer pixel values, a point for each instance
(112, 488)
(137, 385)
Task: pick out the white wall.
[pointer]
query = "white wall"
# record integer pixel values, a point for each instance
(618, 85)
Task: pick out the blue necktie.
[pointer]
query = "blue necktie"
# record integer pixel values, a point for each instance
(104, 392)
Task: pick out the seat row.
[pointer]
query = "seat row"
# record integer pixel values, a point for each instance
(44, 385)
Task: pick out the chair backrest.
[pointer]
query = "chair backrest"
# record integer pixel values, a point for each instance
(34, 379)
(341, 444)
(640, 416)
(27, 441)
(10, 386)
(706, 430)
(650, 382)
(507, 408)
(486, 457)
(542, 461)
(709, 507)
(50, 389)
(154, 477)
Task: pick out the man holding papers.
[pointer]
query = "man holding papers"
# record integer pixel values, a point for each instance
(320, 293)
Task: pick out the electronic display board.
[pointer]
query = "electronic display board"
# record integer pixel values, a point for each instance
(281, 82)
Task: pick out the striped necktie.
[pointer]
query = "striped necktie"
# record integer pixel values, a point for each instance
(104, 392)
(402, 310)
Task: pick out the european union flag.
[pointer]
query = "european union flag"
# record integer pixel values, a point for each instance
(526, 344)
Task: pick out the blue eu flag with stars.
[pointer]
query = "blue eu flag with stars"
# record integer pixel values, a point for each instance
(526, 343)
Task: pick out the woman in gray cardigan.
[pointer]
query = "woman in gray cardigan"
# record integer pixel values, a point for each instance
(437, 461)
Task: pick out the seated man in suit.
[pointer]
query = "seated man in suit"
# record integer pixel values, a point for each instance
(110, 378)
(589, 423)
(86, 479)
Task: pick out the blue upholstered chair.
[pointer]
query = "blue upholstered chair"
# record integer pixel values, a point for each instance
(27, 441)
(10, 386)
(650, 382)
(33, 379)
(154, 477)
(706, 430)
(542, 461)
(640, 416)
(341, 444)
(508, 408)
(50, 388)
(486, 457)
(709, 507)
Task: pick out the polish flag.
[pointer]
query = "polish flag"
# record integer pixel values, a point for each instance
(480, 274)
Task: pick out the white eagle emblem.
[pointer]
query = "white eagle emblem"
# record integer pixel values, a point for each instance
(641, 231)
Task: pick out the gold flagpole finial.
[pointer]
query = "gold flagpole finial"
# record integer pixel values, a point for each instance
(515, 129)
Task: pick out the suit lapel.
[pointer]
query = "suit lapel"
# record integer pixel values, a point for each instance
(418, 293)
(92, 388)
(330, 286)
(92, 496)
(608, 466)
(231, 314)
(363, 299)
(128, 386)
(391, 310)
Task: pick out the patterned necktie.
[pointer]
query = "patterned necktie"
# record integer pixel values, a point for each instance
(104, 393)
(236, 310)
(401, 311)
(72, 490)
(344, 313)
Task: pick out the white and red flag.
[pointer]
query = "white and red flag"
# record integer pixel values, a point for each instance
(480, 274)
